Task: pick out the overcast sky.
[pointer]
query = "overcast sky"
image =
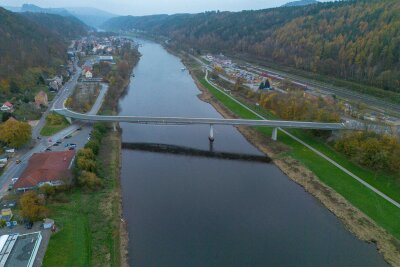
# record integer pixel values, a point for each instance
(147, 7)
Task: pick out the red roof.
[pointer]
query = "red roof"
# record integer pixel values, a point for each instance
(8, 104)
(46, 167)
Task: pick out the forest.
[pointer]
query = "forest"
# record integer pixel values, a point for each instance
(355, 40)
(31, 42)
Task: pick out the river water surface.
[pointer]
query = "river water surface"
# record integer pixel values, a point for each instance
(186, 210)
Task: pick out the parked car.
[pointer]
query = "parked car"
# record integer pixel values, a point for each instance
(79, 129)
(68, 136)
(72, 145)
(48, 149)
(71, 148)
(18, 161)
(59, 141)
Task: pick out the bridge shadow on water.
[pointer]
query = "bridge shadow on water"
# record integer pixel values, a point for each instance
(187, 151)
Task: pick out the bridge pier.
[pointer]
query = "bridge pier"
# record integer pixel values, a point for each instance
(114, 126)
(211, 135)
(275, 134)
(69, 120)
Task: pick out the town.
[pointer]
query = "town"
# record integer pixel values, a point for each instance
(47, 162)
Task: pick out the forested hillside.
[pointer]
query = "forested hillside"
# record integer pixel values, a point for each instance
(68, 27)
(32, 41)
(354, 40)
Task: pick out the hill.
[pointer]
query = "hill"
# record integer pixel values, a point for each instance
(353, 40)
(91, 16)
(67, 27)
(301, 3)
(37, 9)
(32, 43)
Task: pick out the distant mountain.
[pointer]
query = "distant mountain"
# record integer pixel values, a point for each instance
(354, 40)
(37, 9)
(91, 16)
(33, 40)
(301, 3)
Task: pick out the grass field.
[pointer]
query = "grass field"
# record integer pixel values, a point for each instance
(89, 221)
(382, 212)
(49, 129)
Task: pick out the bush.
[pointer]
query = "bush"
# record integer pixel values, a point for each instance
(89, 180)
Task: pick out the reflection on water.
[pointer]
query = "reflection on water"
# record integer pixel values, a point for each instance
(187, 151)
(190, 209)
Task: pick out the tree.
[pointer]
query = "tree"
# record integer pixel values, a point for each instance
(85, 164)
(5, 116)
(89, 180)
(14, 88)
(267, 84)
(32, 207)
(261, 86)
(14, 133)
(86, 153)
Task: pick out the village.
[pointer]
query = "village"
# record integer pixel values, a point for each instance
(47, 160)
(353, 113)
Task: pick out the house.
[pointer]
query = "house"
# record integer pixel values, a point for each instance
(106, 58)
(41, 99)
(7, 107)
(89, 75)
(51, 168)
(55, 83)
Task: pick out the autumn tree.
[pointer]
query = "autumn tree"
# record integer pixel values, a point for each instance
(32, 207)
(14, 133)
(89, 180)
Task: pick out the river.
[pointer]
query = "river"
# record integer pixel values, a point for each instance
(184, 210)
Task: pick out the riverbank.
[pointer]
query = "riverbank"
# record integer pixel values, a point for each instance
(92, 230)
(354, 220)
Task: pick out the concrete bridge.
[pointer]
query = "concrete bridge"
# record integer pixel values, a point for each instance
(275, 124)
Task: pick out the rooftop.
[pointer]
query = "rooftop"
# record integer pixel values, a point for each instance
(46, 167)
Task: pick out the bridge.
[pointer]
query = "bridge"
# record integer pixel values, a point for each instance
(275, 124)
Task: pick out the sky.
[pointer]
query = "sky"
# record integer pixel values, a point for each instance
(148, 7)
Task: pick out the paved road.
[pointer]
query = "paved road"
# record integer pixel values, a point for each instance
(209, 121)
(77, 133)
(319, 153)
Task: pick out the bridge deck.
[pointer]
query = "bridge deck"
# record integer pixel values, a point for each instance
(206, 121)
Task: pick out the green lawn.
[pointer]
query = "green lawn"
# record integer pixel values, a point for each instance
(49, 129)
(381, 211)
(89, 221)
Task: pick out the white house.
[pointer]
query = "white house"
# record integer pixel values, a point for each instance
(7, 107)
(89, 75)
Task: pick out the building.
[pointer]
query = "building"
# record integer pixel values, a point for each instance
(106, 59)
(88, 75)
(51, 168)
(41, 99)
(19, 250)
(7, 107)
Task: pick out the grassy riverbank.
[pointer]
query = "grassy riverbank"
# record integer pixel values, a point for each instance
(297, 157)
(89, 221)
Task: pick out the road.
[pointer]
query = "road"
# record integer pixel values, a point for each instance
(77, 133)
(319, 153)
(331, 89)
(209, 121)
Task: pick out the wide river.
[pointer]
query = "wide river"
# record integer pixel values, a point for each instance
(187, 210)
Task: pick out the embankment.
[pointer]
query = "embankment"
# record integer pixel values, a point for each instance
(353, 219)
